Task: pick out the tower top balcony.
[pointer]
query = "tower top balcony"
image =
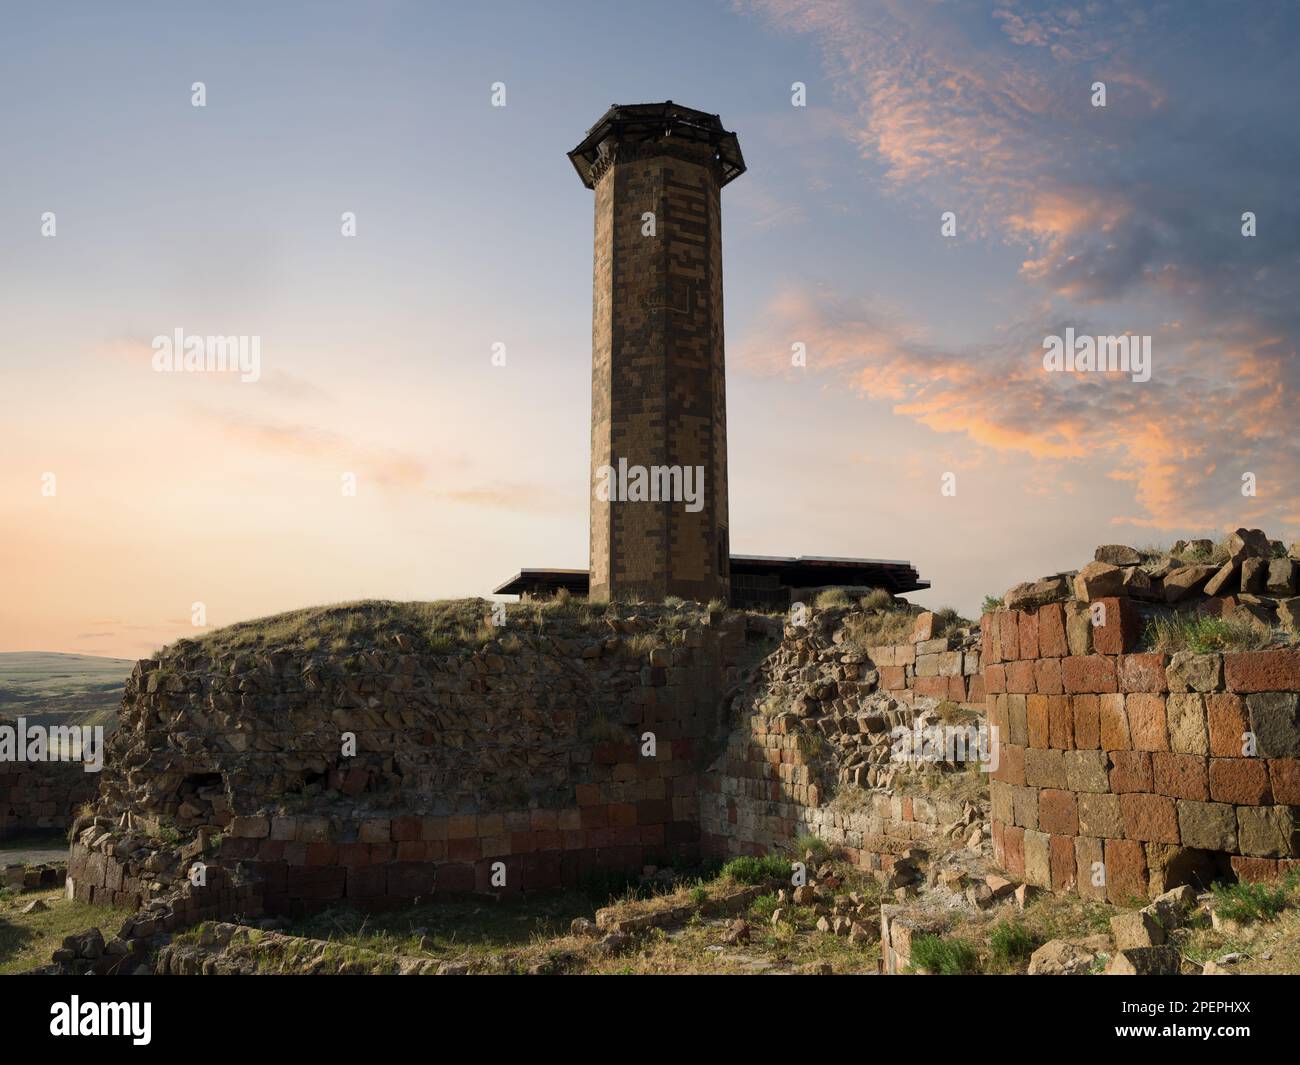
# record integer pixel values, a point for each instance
(640, 126)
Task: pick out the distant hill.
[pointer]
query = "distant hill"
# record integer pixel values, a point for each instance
(59, 689)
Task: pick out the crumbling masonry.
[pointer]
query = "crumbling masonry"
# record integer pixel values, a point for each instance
(523, 763)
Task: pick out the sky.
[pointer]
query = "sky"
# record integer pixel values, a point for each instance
(128, 496)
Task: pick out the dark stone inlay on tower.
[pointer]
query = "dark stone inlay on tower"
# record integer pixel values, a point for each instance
(658, 373)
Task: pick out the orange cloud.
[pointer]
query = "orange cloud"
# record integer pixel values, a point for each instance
(999, 135)
(1152, 436)
(389, 468)
(392, 469)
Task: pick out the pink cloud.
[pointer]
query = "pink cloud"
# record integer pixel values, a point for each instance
(1151, 436)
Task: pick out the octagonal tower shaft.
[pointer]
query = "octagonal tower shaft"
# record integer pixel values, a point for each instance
(658, 422)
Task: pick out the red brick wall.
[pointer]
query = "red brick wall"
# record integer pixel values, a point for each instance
(640, 811)
(1121, 773)
(303, 863)
(763, 793)
(939, 668)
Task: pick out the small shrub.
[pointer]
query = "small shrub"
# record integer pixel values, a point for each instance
(947, 620)
(441, 643)
(1010, 942)
(699, 895)
(991, 604)
(832, 597)
(751, 870)
(944, 957)
(640, 645)
(819, 847)
(764, 906)
(1151, 553)
(886, 627)
(1202, 635)
(877, 599)
(1248, 902)
(1217, 554)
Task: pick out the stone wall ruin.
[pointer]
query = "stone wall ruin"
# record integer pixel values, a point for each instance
(525, 758)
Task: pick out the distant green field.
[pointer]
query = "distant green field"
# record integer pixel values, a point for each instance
(57, 689)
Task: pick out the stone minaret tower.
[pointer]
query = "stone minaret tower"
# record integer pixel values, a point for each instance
(658, 383)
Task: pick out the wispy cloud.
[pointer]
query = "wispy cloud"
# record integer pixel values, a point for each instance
(389, 468)
(447, 478)
(1154, 436)
(1129, 220)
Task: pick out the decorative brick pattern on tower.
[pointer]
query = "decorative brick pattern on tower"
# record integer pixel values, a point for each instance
(658, 374)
